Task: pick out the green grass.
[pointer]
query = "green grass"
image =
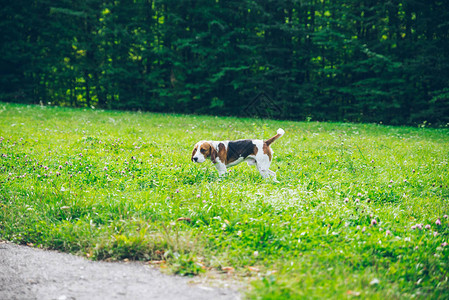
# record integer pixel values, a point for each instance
(112, 185)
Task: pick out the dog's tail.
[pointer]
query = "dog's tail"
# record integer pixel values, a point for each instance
(280, 133)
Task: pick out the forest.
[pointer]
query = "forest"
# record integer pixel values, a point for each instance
(321, 60)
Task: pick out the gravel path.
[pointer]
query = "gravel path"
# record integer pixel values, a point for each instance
(28, 273)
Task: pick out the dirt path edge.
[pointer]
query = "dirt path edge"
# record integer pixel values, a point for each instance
(29, 273)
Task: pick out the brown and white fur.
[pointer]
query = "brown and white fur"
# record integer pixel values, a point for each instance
(225, 154)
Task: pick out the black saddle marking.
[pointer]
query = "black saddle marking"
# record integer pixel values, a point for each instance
(239, 148)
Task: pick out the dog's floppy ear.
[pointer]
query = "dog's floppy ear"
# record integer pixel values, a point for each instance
(213, 154)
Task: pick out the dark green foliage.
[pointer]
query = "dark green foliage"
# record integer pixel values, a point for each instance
(364, 60)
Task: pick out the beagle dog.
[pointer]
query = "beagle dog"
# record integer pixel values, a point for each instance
(225, 154)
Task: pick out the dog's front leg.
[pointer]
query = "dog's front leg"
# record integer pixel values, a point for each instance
(221, 168)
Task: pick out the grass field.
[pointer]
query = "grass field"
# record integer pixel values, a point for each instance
(360, 210)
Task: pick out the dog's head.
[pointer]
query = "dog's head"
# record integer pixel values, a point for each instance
(202, 151)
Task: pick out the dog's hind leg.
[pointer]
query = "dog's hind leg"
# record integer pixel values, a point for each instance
(263, 165)
(263, 170)
(251, 162)
(273, 174)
